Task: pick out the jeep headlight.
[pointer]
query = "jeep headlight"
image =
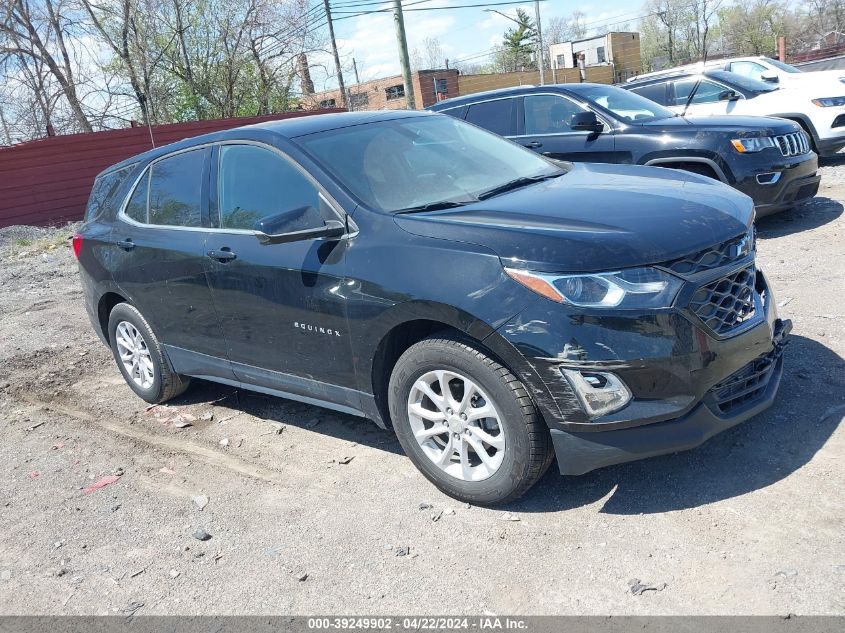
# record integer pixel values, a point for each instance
(829, 102)
(752, 144)
(625, 289)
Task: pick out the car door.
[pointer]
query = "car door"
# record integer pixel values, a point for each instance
(546, 129)
(157, 258)
(281, 306)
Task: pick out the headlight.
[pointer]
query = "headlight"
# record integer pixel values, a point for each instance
(829, 102)
(752, 144)
(626, 289)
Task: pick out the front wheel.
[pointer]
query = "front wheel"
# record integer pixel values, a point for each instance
(466, 422)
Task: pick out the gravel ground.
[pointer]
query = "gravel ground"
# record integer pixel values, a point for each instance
(753, 522)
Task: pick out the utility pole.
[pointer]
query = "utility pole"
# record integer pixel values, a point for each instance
(541, 53)
(336, 56)
(399, 23)
(355, 68)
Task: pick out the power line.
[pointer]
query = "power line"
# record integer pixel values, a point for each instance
(448, 8)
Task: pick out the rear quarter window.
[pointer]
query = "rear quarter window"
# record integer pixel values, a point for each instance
(492, 115)
(103, 190)
(654, 92)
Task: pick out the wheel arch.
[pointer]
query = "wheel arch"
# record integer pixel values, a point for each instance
(678, 162)
(804, 121)
(105, 305)
(409, 331)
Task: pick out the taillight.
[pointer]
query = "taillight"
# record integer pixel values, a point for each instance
(77, 244)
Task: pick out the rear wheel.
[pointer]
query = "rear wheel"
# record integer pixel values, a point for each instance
(141, 358)
(467, 422)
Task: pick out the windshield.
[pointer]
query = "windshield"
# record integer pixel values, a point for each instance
(409, 163)
(784, 67)
(742, 82)
(626, 105)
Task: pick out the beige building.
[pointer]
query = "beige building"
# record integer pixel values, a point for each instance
(619, 51)
(430, 86)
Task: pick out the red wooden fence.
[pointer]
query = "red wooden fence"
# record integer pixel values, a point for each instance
(47, 181)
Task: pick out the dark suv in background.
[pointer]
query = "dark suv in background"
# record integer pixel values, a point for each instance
(605, 124)
(492, 307)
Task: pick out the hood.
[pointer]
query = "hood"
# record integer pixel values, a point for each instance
(596, 217)
(727, 124)
(817, 77)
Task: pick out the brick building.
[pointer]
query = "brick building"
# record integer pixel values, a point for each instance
(617, 50)
(430, 86)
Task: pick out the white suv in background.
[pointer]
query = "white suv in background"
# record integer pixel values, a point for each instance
(819, 107)
(762, 68)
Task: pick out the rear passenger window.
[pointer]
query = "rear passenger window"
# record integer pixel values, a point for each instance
(255, 183)
(176, 190)
(137, 207)
(655, 92)
(104, 187)
(492, 115)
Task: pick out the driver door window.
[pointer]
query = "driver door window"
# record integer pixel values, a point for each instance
(549, 114)
(748, 69)
(256, 183)
(707, 92)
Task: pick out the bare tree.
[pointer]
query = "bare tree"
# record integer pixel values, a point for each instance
(129, 29)
(38, 35)
(427, 56)
(703, 14)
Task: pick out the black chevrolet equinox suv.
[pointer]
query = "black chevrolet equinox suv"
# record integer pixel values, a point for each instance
(494, 308)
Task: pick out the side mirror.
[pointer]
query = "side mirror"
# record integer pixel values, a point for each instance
(585, 122)
(728, 95)
(295, 225)
(770, 75)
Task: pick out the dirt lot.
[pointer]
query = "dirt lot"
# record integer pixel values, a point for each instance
(753, 522)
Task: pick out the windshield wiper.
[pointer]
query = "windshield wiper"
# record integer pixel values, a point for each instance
(516, 183)
(436, 206)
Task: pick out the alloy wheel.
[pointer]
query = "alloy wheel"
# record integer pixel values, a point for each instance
(134, 354)
(457, 425)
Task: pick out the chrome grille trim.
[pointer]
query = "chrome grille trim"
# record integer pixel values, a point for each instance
(793, 144)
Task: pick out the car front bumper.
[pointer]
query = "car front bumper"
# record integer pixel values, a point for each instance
(579, 453)
(779, 184)
(686, 381)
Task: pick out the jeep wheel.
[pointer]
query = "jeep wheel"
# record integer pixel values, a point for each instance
(467, 422)
(140, 357)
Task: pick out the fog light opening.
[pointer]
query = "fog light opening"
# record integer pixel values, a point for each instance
(768, 178)
(599, 392)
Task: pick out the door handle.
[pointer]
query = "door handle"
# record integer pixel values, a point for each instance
(225, 254)
(533, 144)
(126, 244)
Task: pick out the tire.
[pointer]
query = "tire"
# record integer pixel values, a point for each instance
(526, 452)
(161, 383)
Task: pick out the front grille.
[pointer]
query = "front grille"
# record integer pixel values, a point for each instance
(794, 144)
(727, 302)
(746, 385)
(722, 254)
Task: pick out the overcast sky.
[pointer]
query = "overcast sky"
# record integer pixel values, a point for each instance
(463, 33)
